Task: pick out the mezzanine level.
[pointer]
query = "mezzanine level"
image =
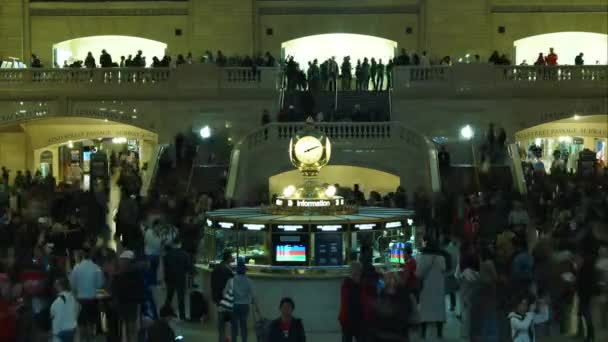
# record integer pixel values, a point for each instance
(204, 80)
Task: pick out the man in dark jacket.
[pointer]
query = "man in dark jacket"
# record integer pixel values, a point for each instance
(219, 278)
(178, 265)
(286, 328)
(128, 293)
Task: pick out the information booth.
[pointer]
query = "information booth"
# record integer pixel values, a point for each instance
(302, 244)
(307, 241)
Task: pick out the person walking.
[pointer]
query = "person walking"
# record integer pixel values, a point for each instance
(351, 305)
(219, 278)
(177, 266)
(128, 294)
(430, 271)
(64, 312)
(467, 275)
(392, 311)
(86, 278)
(286, 328)
(242, 289)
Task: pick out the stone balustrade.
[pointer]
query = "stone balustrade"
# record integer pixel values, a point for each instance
(350, 132)
(406, 80)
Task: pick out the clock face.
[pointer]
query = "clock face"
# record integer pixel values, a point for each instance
(308, 150)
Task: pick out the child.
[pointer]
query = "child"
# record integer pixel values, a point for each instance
(524, 317)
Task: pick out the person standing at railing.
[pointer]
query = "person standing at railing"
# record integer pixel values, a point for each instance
(333, 73)
(579, 59)
(346, 73)
(389, 74)
(373, 72)
(358, 75)
(365, 75)
(36, 62)
(105, 59)
(551, 58)
(89, 61)
(380, 75)
(424, 60)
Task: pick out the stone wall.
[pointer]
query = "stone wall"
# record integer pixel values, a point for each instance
(242, 26)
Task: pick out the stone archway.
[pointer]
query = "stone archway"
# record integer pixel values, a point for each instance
(567, 45)
(324, 46)
(116, 45)
(369, 179)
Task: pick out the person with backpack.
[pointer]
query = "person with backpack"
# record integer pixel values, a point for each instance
(241, 288)
(219, 278)
(64, 312)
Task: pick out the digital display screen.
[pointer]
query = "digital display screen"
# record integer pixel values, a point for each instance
(290, 253)
(397, 252)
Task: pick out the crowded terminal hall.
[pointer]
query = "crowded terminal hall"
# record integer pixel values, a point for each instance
(292, 171)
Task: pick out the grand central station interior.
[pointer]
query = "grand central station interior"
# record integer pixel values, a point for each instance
(303, 170)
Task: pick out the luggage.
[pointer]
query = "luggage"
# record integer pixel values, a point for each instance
(261, 325)
(199, 307)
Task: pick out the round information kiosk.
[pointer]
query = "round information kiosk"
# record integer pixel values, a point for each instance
(302, 243)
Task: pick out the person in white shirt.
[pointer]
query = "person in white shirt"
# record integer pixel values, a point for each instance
(424, 60)
(523, 319)
(64, 312)
(86, 278)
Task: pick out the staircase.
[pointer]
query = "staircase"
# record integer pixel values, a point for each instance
(383, 146)
(374, 106)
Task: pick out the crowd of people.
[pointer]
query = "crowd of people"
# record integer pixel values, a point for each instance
(509, 265)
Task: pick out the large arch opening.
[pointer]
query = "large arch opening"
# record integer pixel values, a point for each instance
(560, 142)
(68, 147)
(344, 175)
(567, 45)
(76, 49)
(339, 45)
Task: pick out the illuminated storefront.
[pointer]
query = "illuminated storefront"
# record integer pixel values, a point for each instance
(564, 139)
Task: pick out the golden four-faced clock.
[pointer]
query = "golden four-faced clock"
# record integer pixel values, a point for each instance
(309, 151)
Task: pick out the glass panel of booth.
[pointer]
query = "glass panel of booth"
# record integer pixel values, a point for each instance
(304, 244)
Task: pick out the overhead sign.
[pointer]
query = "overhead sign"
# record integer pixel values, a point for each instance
(289, 227)
(253, 226)
(365, 226)
(328, 227)
(312, 203)
(226, 225)
(393, 225)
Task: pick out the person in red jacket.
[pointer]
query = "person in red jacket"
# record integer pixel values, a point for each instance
(551, 58)
(8, 321)
(357, 300)
(351, 304)
(409, 270)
